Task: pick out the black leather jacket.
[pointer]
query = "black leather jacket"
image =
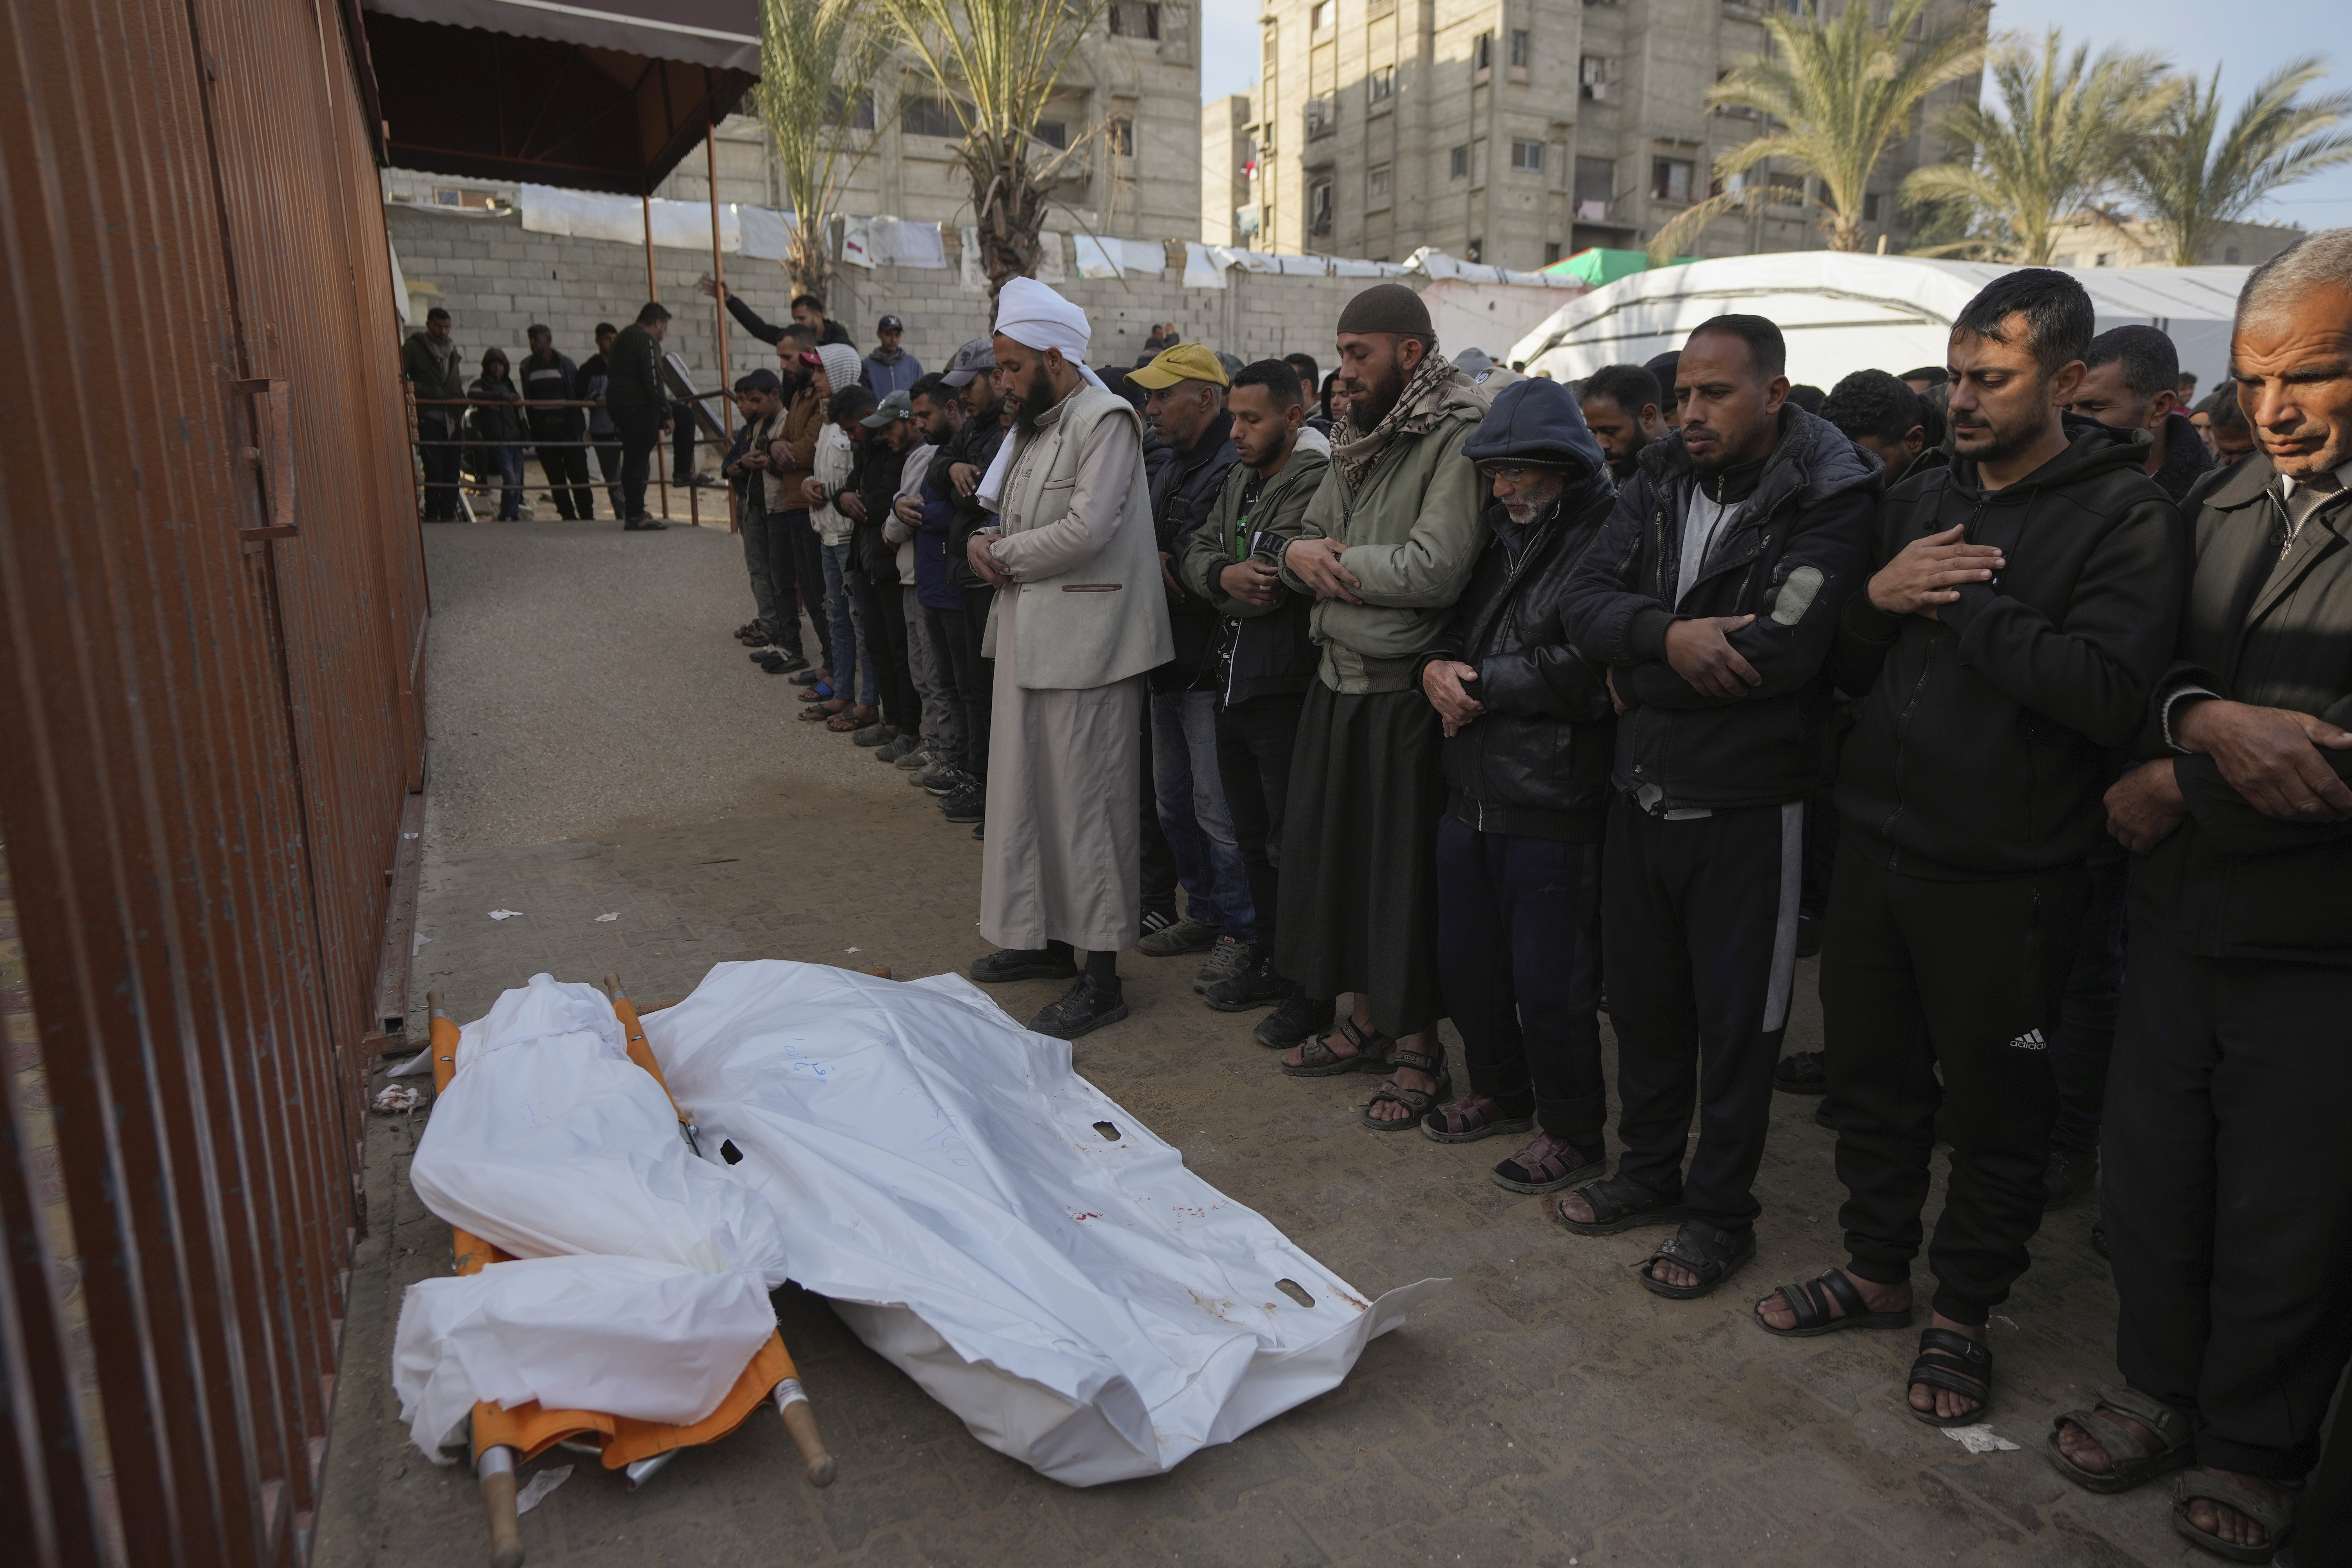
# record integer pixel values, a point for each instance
(1537, 762)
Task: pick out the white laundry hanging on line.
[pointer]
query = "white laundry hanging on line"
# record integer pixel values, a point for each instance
(640, 1274)
(1025, 1249)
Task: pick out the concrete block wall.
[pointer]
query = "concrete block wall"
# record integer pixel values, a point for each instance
(495, 279)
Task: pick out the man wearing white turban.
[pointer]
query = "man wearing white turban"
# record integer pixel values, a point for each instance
(1077, 621)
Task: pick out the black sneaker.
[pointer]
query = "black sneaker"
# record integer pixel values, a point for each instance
(1257, 985)
(644, 525)
(1158, 920)
(1023, 963)
(1294, 1019)
(966, 805)
(1801, 1072)
(784, 664)
(2071, 1173)
(807, 677)
(980, 830)
(1084, 1007)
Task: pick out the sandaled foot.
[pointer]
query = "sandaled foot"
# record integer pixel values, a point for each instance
(1471, 1118)
(1951, 1382)
(1696, 1258)
(2126, 1438)
(2242, 1518)
(1604, 1208)
(1835, 1300)
(1349, 1047)
(1549, 1163)
(1418, 1083)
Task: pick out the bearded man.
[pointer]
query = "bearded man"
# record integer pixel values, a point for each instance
(1385, 548)
(1080, 617)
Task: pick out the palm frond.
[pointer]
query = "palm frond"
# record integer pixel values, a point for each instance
(2190, 188)
(819, 63)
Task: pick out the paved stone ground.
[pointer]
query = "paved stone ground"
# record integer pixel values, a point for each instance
(1542, 1409)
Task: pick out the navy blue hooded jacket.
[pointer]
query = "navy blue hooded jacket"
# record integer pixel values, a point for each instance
(1536, 763)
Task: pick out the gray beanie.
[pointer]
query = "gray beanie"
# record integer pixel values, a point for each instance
(1387, 307)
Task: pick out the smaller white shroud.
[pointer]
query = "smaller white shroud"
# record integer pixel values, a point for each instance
(1082, 1302)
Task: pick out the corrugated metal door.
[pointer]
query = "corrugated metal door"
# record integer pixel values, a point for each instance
(213, 604)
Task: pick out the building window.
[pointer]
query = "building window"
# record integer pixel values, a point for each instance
(1592, 75)
(1670, 180)
(1245, 220)
(1119, 131)
(1479, 251)
(1322, 115)
(2229, 257)
(1786, 190)
(1526, 155)
(1551, 251)
(1319, 207)
(1870, 207)
(931, 117)
(1381, 85)
(478, 201)
(1523, 51)
(1052, 133)
(1134, 19)
(1481, 53)
(1458, 164)
(2105, 258)
(1596, 187)
(1376, 186)
(1319, 16)
(858, 115)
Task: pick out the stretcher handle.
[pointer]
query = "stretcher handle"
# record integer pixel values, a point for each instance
(641, 1051)
(496, 1468)
(799, 1420)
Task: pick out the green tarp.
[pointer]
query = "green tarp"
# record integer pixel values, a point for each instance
(1598, 267)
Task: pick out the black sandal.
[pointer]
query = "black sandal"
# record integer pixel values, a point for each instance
(1708, 1250)
(1417, 1102)
(1317, 1059)
(2129, 1460)
(1957, 1364)
(2278, 1524)
(1810, 1301)
(1618, 1204)
(1801, 1072)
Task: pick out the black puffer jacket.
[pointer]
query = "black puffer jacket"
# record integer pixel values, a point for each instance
(2276, 632)
(1795, 551)
(1184, 486)
(1982, 748)
(976, 443)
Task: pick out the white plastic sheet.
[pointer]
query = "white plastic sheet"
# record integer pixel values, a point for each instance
(1081, 1301)
(642, 1273)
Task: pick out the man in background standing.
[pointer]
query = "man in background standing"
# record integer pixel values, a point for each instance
(436, 373)
(640, 409)
(548, 376)
(1620, 405)
(2128, 380)
(968, 457)
(890, 368)
(588, 387)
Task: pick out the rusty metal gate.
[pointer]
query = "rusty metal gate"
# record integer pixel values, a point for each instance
(212, 638)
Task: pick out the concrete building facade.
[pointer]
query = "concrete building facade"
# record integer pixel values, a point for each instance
(1518, 131)
(1228, 143)
(2093, 241)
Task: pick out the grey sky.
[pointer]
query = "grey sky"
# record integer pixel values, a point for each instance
(2251, 42)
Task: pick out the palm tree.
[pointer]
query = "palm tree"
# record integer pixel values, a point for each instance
(2062, 141)
(996, 63)
(818, 63)
(2188, 189)
(1835, 95)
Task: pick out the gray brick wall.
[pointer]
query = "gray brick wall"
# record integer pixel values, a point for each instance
(496, 280)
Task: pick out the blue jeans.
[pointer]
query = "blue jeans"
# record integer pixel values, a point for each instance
(509, 483)
(845, 604)
(1192, 798)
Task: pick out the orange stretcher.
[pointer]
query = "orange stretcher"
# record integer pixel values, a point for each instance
(504, 1438)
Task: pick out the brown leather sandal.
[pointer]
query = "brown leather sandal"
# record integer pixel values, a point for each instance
(1417, 1102)
(1317, 1059)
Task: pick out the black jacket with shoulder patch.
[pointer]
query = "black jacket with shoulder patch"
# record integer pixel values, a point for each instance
(1986, 736)
(1791, 557)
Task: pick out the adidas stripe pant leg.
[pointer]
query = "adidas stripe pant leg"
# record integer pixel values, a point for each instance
(1938, 1000)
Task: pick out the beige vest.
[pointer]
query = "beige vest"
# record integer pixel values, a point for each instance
(1106, 618)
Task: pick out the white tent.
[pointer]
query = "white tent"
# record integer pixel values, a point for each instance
(1843, 313)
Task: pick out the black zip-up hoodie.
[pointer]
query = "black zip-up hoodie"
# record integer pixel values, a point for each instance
(1796, 550)
(1982, 747)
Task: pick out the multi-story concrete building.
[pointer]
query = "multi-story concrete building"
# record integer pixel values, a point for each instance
(1518, 131)
(1228, 146)
(2092, 241)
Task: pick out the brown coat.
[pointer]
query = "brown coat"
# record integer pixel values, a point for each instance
(793, 451)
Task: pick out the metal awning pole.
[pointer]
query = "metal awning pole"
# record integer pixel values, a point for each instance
(653, 292)
(718, 271)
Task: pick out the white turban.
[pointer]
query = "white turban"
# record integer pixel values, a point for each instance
(1035, 316)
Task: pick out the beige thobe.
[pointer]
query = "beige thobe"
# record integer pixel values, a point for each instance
(1063, 859)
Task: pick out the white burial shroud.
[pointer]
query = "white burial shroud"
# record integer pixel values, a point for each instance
(640, 1274)
(1026, 1251)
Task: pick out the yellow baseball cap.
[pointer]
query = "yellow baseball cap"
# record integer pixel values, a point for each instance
(1185, 362)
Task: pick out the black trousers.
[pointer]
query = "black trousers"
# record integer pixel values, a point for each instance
(1254, 741)
(1700, 960)
(1518, 948)
(441, 475)
(608, 464)
(797, 580)
(681, 440)
(640, 431)
(886, 637)
(961, 667)
(976, 678)
(1958, 981)
(566, 468)
(2085, 1036)
(2229, 1197)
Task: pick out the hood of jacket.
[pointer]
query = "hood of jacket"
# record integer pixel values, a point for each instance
(1535, 422)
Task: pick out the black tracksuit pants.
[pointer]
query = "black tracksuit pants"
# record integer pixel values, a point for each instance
(640, 428)
(1700, 960)
(1924, 976)
(1255, 739)
(1518, 948)
(2086, 1037)
(2229, 1197)
(976, 678)
(885, 634)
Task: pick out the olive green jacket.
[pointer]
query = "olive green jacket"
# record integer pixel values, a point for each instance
(1413, 532)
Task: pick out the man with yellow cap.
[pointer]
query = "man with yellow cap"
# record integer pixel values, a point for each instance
(1080, 617)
